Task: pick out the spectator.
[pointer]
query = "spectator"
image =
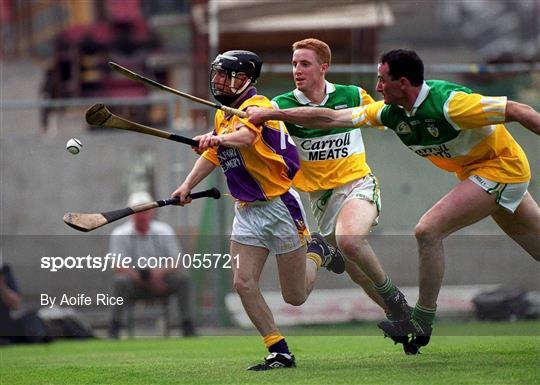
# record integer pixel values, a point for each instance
(139, 238)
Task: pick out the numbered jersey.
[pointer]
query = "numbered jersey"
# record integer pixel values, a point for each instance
(328, 158)
(456, 129)
(262, 171)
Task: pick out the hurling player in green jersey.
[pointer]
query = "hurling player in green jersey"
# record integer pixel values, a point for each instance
(344, 194)
(458, 131)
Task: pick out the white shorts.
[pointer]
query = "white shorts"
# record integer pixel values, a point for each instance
(507, 195)
(326, 204)
(277, 225)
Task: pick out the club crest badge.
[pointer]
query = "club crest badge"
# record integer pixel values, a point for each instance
(433, 130)
(403, 128)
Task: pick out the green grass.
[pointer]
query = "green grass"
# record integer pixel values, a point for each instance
(322, 359)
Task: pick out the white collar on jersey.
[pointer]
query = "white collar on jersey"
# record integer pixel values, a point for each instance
(422, 95)
(329, 88)
(303, 99)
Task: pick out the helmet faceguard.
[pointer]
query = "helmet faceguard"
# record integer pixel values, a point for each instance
(232, 73)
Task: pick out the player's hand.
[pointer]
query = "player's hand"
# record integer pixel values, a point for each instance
(207, 141)
(257, 115)
(182, 192)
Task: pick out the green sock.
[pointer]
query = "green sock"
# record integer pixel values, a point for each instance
(423, 314)
(387, 289)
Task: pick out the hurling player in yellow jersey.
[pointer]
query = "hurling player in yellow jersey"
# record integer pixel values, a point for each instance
(344, 194)
(461, 132)
(259, 162)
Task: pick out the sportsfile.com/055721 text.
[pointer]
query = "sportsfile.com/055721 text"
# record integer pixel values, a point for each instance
(117, 261)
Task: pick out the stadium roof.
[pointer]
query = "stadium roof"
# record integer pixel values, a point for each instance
(286, 15)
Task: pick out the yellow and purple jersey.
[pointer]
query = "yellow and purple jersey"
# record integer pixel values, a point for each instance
(456, 129)
(262, 171)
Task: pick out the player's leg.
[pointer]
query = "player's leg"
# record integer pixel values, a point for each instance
(285, 234)
(297, 275)
(352, 226)
(298, 264)
(303, 262)
(246, 275)
(523, 226)
(362, 280)
(464, 205)
(256, 230)
(246, 282)
(353, 223)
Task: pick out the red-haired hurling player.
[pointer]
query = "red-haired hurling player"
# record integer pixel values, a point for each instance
(259, 163)
(343, 192)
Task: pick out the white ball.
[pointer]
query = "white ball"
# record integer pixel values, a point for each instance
(74, 146)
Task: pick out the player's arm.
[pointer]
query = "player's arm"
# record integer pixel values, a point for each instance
(242, 137)
(201, 169)
(524, 115)
(303, 116)
(470, 111)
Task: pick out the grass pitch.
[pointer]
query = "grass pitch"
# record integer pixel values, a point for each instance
(322, 359)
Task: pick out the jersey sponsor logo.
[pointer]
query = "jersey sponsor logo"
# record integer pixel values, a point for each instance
(461, 145)
(229, 159)
(433, 130)
(341, 106)
(327, 148)
(403, 128)
(441, 151)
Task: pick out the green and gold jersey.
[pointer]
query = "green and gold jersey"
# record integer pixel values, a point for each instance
(456, 129)
(328, 158)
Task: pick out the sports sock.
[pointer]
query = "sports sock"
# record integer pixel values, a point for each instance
(313, 253)
(424, 315)
(387, 289)
(275, 343)
(315, 258)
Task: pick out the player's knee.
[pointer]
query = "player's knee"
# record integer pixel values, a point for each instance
(245, 285)
(424, 232)
(295, 299)
(346, 244)
(352, 245)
